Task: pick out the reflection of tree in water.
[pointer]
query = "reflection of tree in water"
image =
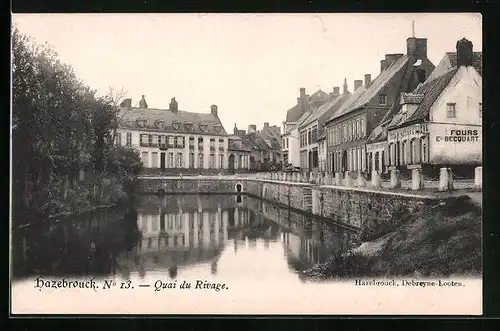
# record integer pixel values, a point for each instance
(81, 245)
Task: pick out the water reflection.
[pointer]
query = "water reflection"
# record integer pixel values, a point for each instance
(171, 234)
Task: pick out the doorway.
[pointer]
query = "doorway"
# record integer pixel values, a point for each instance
(162, 161)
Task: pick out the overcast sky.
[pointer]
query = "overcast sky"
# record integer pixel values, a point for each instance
(250, 65)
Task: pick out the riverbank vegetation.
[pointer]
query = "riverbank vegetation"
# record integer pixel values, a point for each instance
(440, 243)
(64, 159)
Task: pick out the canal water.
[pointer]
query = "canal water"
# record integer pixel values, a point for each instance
(249, 252)
(179, 235)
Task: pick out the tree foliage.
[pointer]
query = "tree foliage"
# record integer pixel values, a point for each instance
(60, 127)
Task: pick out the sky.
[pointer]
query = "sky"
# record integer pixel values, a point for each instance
(250, 65)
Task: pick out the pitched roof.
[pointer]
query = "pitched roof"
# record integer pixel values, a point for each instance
(477, 60)
(236, 143)
(293, 114)
(168, 121)
(323, 109)
(379, 82)
(347, 103)
(449, 61)
(431, 90)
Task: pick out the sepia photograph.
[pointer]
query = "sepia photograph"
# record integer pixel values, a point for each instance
(256, 164)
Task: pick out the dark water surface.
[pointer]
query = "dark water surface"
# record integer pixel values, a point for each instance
(196, 235)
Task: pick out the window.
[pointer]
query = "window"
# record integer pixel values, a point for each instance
(200, 143)
(451, 110)
(382, 99)
(144, 158)
(154, 163)
(358, 131)
(191, 142)
(480, 109)
(212, 144)
(129, 138)
(314, 134)
(179, 142)
(178, 161)
(221, 161)
(144, 140)
(154, 140)
(191, 160)
(221, 145)
(212, 161)
(163, 141)
(171, 141)
(344, 138)
(362, 127)
(119, 139)
(170, 160)
(200, 160)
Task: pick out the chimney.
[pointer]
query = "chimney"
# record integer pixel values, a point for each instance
(126, 103)
(357, 84)
(464, 53)
(383, 65)
(143, 103)
(266, 125)
(213, 110)
(345, 86)
(416, 48)
(336, 91)
(391, 58)
(303, 101)
(302, 92)
(368, 80)
(252, 128)
(174, 106)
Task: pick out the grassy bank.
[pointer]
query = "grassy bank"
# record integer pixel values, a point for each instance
(443, 242)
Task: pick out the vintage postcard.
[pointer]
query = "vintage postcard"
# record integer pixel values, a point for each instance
(246, 164)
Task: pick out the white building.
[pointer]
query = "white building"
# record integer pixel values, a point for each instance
(172, 138)
(440, 123)
(295, 118)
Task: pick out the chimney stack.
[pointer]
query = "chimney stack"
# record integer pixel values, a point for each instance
(357, 84)
(416, 48)
(302, 92)
(266, 125)
(391, 58)
(382, 65)
(345, 86)
(213, 110)
(252, 128)
(303, 101)
(126, 103)
(336, 91)
(143, 103)
(174, 106)
(368, 80)
(464, 53)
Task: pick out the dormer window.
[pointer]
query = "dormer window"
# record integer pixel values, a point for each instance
(141, 122)
(382, 99)
(218, 128)
(203, 127)
(160, 124)
(176, 125)
(188, 126)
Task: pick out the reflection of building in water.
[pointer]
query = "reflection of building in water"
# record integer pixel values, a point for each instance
(178, 230)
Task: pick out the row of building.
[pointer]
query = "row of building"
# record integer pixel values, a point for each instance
(179, 141)
(412, 115)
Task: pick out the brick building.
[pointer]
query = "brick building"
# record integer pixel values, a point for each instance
(369, 104)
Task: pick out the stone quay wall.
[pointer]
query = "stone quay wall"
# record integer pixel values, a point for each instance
(368, 210)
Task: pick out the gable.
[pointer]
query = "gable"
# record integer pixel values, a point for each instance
(465, 90)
